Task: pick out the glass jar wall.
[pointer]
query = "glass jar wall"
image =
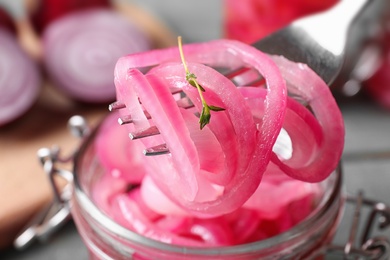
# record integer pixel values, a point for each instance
(106, 239)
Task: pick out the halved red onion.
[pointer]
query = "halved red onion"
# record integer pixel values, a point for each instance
(81, 49)
(19, 79)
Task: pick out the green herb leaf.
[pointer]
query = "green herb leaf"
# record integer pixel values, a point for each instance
(193, 83)
(204, 117)
(216, 109)
(191, 78)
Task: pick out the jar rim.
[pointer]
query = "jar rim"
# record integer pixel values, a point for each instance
(118, 230)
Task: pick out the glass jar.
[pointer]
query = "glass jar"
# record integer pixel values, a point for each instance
(106, 239)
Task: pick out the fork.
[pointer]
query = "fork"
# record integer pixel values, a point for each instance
(331, 50)
(330, 42)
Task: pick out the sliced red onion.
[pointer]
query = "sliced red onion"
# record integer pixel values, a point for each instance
(270, 199)
(81, 49)
(186, 199)
(244, 224)
(135, 195)
(213, 232)
(126, 162)
(305, 133)
(155, 199)
(319, 158)
(179, 175)
(19, 79)
(107, 188)
(127, 213)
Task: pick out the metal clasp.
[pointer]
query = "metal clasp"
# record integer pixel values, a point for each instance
(57, 213)
(369, 247)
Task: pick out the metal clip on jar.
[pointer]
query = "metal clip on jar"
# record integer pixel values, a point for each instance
(105, 239)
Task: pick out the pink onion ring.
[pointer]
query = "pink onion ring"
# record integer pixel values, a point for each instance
(307, 85)
(126, 162)
(180, 179)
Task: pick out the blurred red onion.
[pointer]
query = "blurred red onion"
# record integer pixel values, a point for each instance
(81, 49)
(19, 79)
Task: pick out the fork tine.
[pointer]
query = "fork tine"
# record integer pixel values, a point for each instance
(157, 150)
(153, 130)
(184, 103)
(236, 72)
(127, 119)
(116, 105)
(176, 90)
(257, 82)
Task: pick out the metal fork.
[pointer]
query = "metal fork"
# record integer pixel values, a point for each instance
(329, 42)
(161, 149)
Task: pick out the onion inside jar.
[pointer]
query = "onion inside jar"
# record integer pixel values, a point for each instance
(254, 172)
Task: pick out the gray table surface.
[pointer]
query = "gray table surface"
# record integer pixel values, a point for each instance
(367, 133)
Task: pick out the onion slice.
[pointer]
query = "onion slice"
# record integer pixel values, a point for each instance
(180, 177)
(313, 166)
(19, 79)
(312, 159)
(81, 49)
(126, 162)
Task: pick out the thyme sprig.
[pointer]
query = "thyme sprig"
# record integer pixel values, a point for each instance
(205, 116)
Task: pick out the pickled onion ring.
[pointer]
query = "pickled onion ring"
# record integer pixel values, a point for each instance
(309, 87)
(257, 144)
(313, 122)
(128, 214)
(126, 162)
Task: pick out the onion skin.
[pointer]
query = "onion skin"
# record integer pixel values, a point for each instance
(81, 49)
(19, 79)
